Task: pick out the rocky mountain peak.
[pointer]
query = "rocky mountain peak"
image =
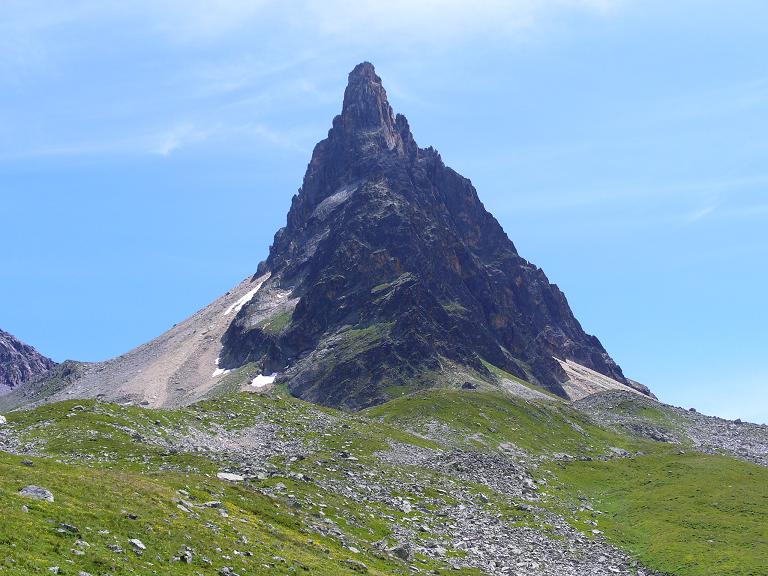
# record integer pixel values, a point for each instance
(19, 362)
(390, 274)
(366, 111)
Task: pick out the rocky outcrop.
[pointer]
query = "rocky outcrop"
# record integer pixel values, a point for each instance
(19, 362)
(392, 274)
(583, 382)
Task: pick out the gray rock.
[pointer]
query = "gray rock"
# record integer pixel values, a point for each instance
(36, 493)
(356, 565)
(403, 551)
(707, 434)
(20, 362)
(230, 477)
(138, 544)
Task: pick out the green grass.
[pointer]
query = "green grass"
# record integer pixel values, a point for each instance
(688, 515)
(100, 470)
(684, 514)
(490, 419)
(57, 379)
(405, 277)
(103, 500)
(277, 323)
(233, 381)
(397, 390)
(357, 340)
(499, 373)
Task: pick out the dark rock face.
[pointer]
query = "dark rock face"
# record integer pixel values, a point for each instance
(19, 362)
(396, 271)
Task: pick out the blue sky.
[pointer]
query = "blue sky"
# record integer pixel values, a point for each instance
(149, 151)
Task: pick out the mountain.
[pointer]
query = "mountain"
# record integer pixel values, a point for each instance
(391, 275)
(19, 362)
(491, 434)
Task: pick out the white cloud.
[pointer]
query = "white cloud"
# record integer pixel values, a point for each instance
(188, 134)
(178, 136)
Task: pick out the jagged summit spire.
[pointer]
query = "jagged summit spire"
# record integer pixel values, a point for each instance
(366, 111)
(365, 100)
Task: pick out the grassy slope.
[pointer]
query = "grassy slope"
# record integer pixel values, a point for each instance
(99, 473)
(489, 419)
(686, 514)
(102, 500)
(689, 514)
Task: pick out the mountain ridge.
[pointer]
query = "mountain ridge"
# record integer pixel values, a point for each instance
(19, 362)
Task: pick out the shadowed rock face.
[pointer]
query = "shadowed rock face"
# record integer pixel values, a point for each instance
(19, 362)
(397, 271)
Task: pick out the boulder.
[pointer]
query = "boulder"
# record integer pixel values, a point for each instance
(229, 477)
(36, 493)
(138, 544)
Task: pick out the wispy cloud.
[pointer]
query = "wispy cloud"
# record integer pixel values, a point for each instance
(171, 140)
(427, 19)
(701, 213)
(236, 60)
(187, 134)
(409, 19)
(177, 137)
(212, 20)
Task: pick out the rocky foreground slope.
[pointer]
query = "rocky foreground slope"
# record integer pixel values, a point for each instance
(19, 362)
(439, 482)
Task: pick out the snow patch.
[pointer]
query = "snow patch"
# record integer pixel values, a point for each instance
(244, 300)
(219, 371)
(260, 381)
